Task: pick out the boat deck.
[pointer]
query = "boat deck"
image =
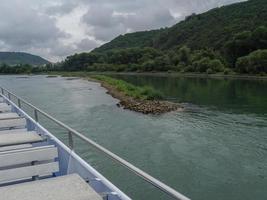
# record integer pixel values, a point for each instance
(34, 164)
(28, 165)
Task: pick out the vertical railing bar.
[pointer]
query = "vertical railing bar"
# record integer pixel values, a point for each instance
(36, 115)
(19, 103)
(71, 142)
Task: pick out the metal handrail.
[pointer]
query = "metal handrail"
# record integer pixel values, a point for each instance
(145, 176)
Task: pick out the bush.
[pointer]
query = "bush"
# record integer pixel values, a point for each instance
(206, 63)
(148, 65)
(145, 93)
(226, 71)
(150, 93)
(216, 65)
(209, 71)
(189, 68)
(254, 63)
(202, 65)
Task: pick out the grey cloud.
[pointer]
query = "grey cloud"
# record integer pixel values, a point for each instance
(61, 9)
(107, 22)
(24, 28)
(32, 25)
(87, 45)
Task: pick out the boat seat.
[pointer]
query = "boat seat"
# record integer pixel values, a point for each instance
(15, 147)
(8, 139)
(5, 116)
(4, 108)
(13, 123)
(19, 130)
(70, 187)
(28, 164)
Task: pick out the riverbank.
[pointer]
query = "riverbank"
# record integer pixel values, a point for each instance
(144, 100)
(170, 74)
(197, 75)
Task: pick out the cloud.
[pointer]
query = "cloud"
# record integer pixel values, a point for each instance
(55, 29)
(87, 45)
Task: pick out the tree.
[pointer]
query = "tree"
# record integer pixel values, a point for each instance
(239, 46)
(185, 55)
(255, 62)
(260, 37)
(208, 65)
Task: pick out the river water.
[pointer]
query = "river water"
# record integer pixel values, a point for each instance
(216, 149)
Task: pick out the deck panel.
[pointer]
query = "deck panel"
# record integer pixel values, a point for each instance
(70, 187)
(19, 138)
(12, 123)
(24, 156)
(28, 172)
(4, 108)
(5, 116)
(15, 147)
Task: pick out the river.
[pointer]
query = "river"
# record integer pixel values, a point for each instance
(216, 149)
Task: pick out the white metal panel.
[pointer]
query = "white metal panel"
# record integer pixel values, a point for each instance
(19, 130)
(12, 123)
(15, 147)
(19, 138)
(21, 173)
(70, 187)
(4, 107)
(4, 116)
(27, 156)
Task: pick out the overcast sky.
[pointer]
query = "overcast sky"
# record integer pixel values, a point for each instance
(55, 29)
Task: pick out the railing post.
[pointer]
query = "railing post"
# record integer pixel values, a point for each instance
(9, 97)
(19, 103)
(71, 143)
(35, 115)
(2, 91)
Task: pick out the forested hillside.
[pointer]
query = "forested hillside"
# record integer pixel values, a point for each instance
(228, 39)
(131, 40)
(215, 27)
(17, 58)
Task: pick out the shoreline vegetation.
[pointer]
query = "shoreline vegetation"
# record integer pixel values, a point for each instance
(144, 100)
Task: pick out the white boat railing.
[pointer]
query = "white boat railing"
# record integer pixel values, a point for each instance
(71, 132)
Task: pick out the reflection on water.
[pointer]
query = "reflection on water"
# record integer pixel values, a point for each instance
(225, 94)
(215, 150)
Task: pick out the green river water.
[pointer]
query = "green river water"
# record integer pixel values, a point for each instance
(215, 150)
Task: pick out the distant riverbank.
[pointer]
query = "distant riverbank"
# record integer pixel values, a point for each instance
(198, 75)
(171, 74)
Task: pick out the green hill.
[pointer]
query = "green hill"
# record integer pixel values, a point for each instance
(16, 58)
(131, 40)
(225, 39)
(215, 27)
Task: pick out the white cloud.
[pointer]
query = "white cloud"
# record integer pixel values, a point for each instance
(57, 28)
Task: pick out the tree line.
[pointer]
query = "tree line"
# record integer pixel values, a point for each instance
(245, 52)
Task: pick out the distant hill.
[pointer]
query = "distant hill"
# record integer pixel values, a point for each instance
(15, 58)
(211, 29)
(131, 40)
(215, 27)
